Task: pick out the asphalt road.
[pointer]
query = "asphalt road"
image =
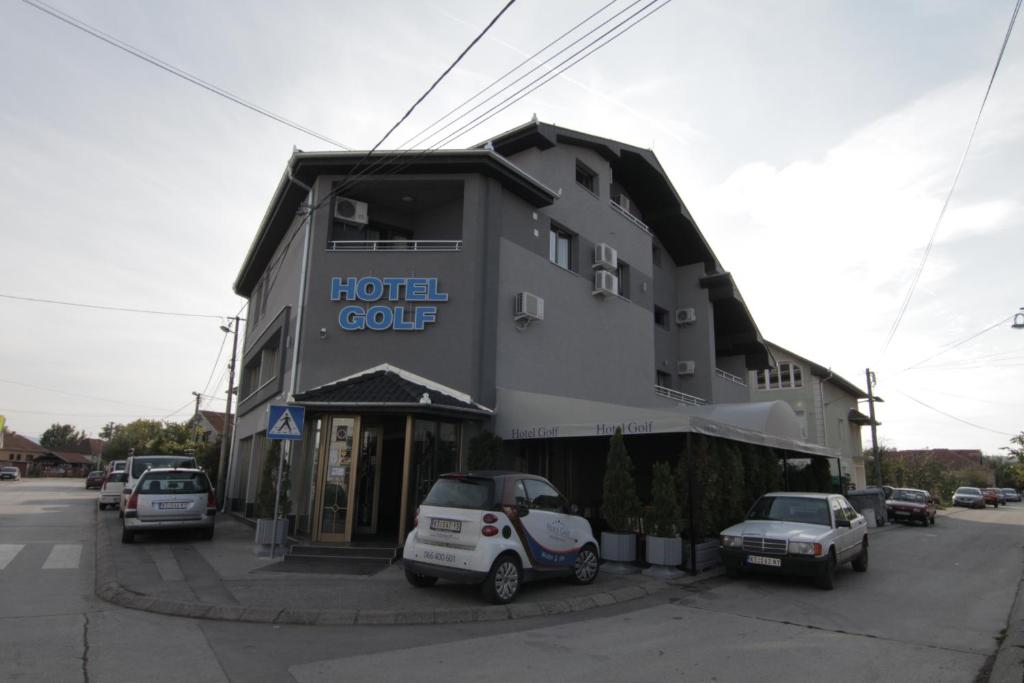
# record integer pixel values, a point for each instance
(931, 608)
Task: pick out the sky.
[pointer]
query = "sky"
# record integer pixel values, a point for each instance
(814, 142)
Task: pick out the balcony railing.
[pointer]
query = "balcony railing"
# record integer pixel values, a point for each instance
(395, 245)
(630, 217)
(735, 379)
(679, 396)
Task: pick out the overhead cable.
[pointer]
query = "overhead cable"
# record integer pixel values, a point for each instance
(954, 417)
(956, 178)
(111, 308)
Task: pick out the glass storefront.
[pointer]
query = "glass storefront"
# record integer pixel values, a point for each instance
(435, 451)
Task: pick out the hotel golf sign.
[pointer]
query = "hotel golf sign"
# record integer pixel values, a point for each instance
(397, 302)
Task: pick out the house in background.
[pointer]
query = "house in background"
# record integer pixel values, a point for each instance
(209, 425)
(824, 402)
(18, 451)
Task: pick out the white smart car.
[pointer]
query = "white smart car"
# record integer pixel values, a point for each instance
(498, 529)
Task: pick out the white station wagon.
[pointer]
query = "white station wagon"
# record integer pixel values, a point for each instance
(498, 529)
(806, 534)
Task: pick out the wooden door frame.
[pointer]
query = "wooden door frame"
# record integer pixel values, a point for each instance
(325, 438)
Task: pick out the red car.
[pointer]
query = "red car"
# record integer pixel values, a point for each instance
(911, 505)
(991, 497)
(95, 479)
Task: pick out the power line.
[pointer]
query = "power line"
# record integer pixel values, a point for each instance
(954, 345)
(530, 87)
(417, 102)
(69, 393)
(967, 398)
(110, 308)
(956, 178)
(172, 414)
(175, 71)
(953, 417)
(209, 379)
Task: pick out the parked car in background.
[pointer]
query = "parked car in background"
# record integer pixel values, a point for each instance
(10, 473)
(117, 466)
(165, 499)
(911, 505)
(94, 479)
(991, 497)
(498, 529)
(1011, 495)
(136, 466)
(804, 534)
(968, 496)
(110, 492)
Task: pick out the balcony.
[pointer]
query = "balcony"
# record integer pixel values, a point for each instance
(735, 379)
(679, 396)
(395, 245)
(630, 217)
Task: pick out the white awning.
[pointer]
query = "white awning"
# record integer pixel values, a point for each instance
(529, 415)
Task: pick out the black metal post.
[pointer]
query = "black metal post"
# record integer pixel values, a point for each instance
(691, 474)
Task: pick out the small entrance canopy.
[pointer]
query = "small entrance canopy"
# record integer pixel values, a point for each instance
(527, 415)
(390, 389)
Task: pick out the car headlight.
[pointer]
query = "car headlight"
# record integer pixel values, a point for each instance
(732, 541)
(801, 548)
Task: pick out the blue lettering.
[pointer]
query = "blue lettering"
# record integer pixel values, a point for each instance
(432, 293)
(370, 288)
(379, 318)
(394, 286)
(423, 315)
(343, 288)
(352, 318)
(401, 323)
(417, 288)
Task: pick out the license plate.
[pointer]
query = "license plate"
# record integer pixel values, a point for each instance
(764, 561)
(172, 506)
(901, 513)
(452, 525)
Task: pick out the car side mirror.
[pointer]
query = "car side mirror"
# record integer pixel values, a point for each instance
(522, 510)
(843, 522)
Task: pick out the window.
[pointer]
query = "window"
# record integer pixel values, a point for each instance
(661, 317)
(560, 247)
(543, 496)
(785, 376)
(586, 177)
(622, 273)
(663, 379)
(656, 254)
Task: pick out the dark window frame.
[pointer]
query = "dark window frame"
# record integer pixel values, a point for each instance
(557, 233)
(587, 178)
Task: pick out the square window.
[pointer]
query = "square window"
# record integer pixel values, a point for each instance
(661, 317)
(622, 273)
(586, 177)
(663, 379)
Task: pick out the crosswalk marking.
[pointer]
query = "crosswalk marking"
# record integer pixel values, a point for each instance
(64, 557)
(8, 552)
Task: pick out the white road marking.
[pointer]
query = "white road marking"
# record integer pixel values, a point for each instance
(64, 557)
(8, 552)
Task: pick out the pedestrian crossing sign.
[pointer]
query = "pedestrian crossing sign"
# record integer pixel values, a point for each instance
(285, 422)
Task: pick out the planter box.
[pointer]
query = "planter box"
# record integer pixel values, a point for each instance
(665, 555)
(267, 529)
(619, 552)
(707, 555)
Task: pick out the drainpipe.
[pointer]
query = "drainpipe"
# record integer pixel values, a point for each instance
(821, 402)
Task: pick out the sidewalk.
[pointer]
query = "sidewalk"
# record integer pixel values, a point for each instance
(224, 579)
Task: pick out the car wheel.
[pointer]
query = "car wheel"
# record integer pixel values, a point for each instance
(502, 582)
(419, 580)
(584, 570)
(207, 534)
(827, 579)
(127, 536)
(860, 564)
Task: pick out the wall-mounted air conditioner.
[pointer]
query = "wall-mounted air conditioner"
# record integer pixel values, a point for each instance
(685, 316)
(351, 211)
(605, 257)
(605, 283)
(686, 367)
(528, 307)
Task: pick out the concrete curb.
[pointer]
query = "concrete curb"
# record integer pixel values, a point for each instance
(1008, 666)
(108, 588)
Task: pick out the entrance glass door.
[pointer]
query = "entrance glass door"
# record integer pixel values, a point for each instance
(335, 491)
(368, 476)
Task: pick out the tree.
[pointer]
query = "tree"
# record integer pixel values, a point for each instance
(620, 505)
(1016, 449)
(663, 520)
(145, 437)
(59, 437)
(108, 431)
(268, 484)
(484, 451)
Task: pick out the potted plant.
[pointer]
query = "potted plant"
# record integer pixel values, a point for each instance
(620, 508)
(664, 545)
(699, 485)
(271, 531)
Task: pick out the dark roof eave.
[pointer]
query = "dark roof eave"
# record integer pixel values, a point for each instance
(303, 168)
(414, 407)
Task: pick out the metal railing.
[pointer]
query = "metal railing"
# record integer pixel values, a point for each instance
(679, 396)
(735, 379)
(395, 245)
(630, 217)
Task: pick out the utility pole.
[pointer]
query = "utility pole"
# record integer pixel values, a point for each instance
(195, 418)
(228, 431)
(874, 433)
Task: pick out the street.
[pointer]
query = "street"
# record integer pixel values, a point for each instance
(931, 607)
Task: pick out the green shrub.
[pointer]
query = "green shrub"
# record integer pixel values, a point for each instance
(268, 485)
(620, 505)
(665, 515)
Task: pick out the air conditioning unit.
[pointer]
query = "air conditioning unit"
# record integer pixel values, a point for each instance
(528, 307)
(686, 367)
(605, 283)
(351, 211)
(685, 316)
(605, 257)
